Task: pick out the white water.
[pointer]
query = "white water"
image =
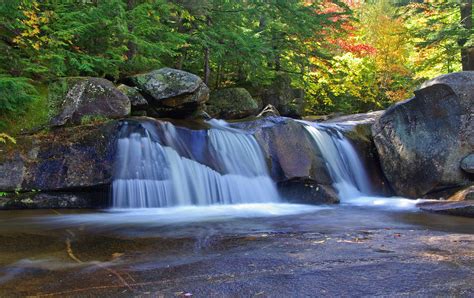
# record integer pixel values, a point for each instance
(347, 171)
(158, 217)
(157, 173)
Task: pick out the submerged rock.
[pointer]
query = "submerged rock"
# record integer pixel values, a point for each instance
(171, 92)
(307, 192)
(422, 141)
(87, 98)
(231, 103)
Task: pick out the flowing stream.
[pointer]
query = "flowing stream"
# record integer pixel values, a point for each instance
(161, 167)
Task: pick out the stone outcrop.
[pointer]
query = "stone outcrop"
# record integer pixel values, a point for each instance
(71, 158)
(84, 98)
(422, 141)
(231, 103)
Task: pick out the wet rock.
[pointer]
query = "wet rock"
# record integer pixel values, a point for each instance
(295, 162)
(171, 92)
(307, 192)
(64, 158)
(85, 98)
(291, 152)
(357, 119)
(422, 141)
(231, 103)
(94, 198)
(458, 208)
(467, 163)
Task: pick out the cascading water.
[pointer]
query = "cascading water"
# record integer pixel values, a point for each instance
(163, 167)
(349, 175)
(347, 171)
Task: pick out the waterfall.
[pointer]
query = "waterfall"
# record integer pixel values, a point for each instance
(165, 165)
(349, 175)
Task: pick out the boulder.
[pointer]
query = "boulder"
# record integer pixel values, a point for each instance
(231, 103)
(85, 98)
(295, 162)
(137, 101)
(68, 158)
(291, 152)
(422, 141)
(171, 92)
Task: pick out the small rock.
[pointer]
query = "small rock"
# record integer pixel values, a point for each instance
(467, 163)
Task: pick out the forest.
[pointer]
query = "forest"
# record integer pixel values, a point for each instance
(348, 56)
(236, 148)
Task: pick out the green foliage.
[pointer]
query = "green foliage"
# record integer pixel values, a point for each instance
(343, 63)
(435, 30)
(15, 93)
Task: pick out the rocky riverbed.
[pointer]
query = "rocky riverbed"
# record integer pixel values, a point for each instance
(334, 251)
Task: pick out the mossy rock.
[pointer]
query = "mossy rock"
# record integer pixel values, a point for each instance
(80, 97)
(231, 103)
(171, 92)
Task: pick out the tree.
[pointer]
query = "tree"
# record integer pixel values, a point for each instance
(467, 46)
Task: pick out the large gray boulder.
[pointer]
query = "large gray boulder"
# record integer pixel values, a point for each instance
(422, 141)
(68, 158)
(171, 92)
(231, 103)
(85, 98)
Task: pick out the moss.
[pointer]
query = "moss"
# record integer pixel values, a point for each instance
(231, 103)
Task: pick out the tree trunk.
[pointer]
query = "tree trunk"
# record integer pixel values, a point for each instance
(132, 47)
(467, 53)
(207, 66)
